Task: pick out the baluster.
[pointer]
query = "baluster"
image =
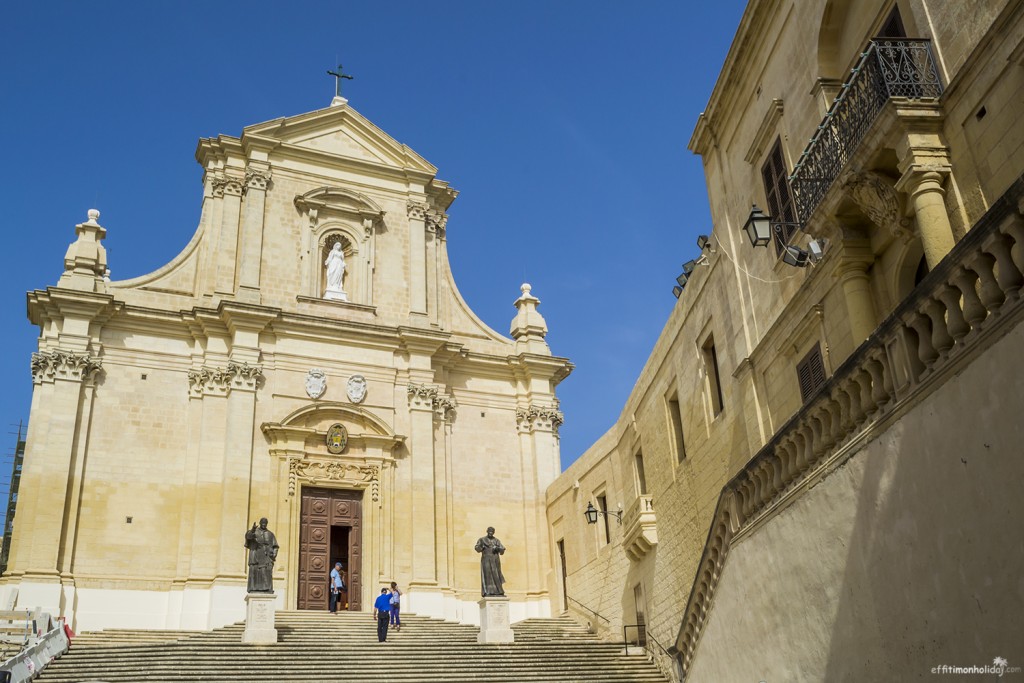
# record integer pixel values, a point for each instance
(922, 327)
(955, 323)
(857, 411)
(835, 418)
(991, 294)
(936, 311)
(1014, 229)
(817, 442)
(875, 368)
(845, 416)
(974, 311)
(1007, 275)
(863, 380)
(787, 450)
(778, 481)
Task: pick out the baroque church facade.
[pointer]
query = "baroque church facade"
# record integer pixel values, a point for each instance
(306, 358)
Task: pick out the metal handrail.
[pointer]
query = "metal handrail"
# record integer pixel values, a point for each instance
(888, 68)
(648, 638)
(595, 613)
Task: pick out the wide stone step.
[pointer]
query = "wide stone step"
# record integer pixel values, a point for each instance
(323, 647)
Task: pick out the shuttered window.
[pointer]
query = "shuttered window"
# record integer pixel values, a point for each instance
(779, 195)
(810, 372)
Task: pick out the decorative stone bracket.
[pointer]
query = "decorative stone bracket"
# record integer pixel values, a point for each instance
(220, 381)
(50, 365)
(543, 418)
(319, 471)
(444, 407)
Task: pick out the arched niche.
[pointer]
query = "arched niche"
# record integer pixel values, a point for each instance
(342, 215)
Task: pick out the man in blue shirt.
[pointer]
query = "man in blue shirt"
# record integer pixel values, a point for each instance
(382, 613)
(337, 585)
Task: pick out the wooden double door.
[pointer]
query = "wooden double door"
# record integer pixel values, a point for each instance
(331, 531)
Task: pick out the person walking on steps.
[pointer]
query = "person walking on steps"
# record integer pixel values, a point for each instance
(337, 586)
(396, 607)
(382, 613)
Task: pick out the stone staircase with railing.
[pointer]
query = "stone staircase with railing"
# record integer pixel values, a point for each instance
(315, 646)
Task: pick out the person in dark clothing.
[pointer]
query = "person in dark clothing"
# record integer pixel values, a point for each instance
(382, 613)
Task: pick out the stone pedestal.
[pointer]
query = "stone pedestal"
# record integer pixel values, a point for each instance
(259, 618)
(494, 620)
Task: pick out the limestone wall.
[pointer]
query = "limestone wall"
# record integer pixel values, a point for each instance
(899, 560)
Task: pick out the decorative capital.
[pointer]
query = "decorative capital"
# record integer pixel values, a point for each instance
(217, 381)
(225, 185)
(48, 366)
(257, 179)
(436, 222)
(417, 210)
(421, 395)
(539, 418)
(444, 406)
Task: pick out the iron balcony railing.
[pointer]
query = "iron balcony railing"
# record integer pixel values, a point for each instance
(888, 68)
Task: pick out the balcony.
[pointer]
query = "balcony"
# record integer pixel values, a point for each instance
(887, 69)
(641, 529)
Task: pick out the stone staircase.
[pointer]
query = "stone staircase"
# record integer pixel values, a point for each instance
(315, 646)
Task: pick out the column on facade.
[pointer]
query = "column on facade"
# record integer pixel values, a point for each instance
(927, 195)
(444, 414)
(420, 345)
(54, 451)
(227, 188)
(417, 211)
(257, 178)
(854, 259)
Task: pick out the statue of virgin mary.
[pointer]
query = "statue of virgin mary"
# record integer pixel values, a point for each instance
(335, 273)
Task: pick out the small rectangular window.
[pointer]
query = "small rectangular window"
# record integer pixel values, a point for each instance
(711, 368)
(781, 205)
(810, 373)
(641, 478)
(602, 505)
(675, 420)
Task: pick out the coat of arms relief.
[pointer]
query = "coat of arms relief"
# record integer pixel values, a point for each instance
(316, 383)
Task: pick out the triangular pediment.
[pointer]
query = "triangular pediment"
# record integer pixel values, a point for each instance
(340, 131)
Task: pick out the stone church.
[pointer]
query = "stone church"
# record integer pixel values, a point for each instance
(308, 358)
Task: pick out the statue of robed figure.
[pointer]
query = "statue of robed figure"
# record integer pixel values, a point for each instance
(491, 550)
(262, 545)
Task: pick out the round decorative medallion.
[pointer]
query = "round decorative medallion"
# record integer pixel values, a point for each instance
(341, 509)
(318, 534)
(319, 507)
(316, 592)
(318, 563)
(337, 438)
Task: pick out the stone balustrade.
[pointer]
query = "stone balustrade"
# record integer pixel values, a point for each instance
(966, 302)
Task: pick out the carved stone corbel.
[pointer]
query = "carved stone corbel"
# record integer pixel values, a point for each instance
(879, 201)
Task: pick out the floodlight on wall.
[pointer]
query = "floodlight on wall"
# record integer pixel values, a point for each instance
(677, 291)
(816, 249)
(794, 256)
(592, 512)
(682, 279)
(704, 242)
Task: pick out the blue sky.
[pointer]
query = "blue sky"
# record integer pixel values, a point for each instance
(563, 125)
